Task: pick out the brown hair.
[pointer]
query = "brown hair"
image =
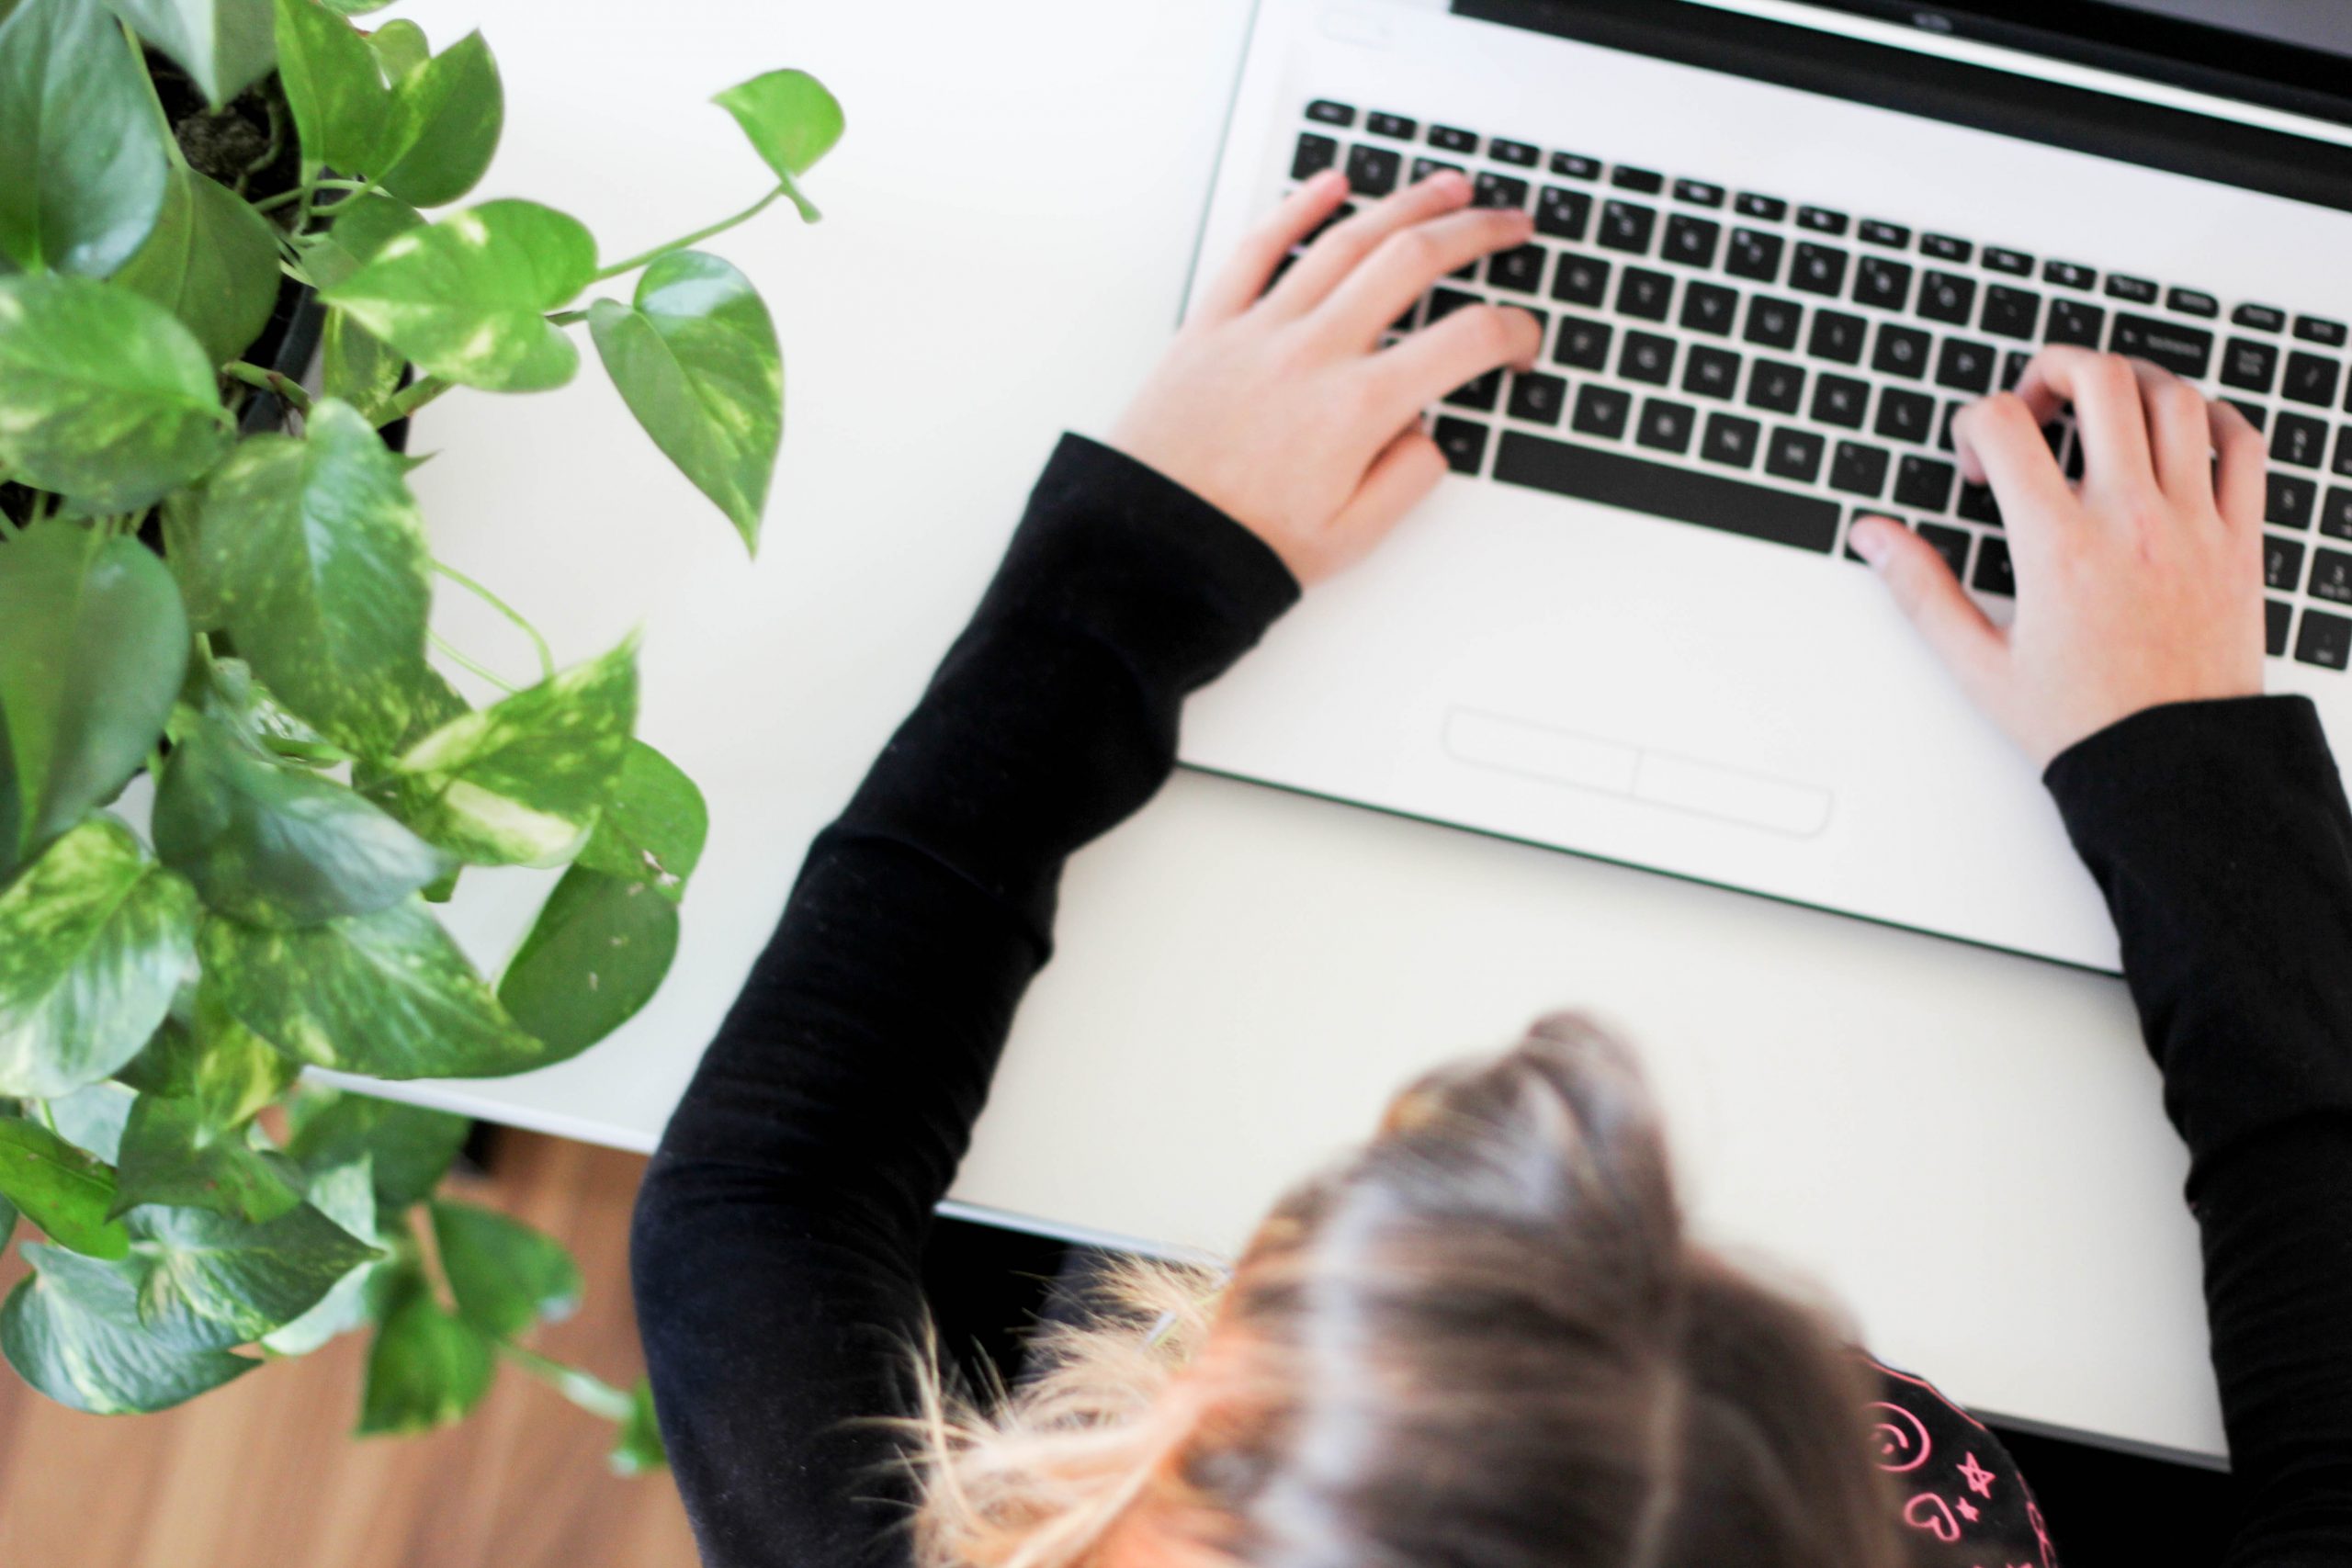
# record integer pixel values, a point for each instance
(1484, 1338)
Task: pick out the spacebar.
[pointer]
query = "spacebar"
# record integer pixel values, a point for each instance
(1709, 499)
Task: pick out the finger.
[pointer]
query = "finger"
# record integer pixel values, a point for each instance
(1339, 252)
(1410, 263)
(2110, 420)
(1406, 472)
(2241, 477)
(1930, 597)
(2001, 444)
(1244, 277)
(2180, 433)
(1434, 361)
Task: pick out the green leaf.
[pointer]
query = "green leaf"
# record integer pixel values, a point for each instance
(339, 101)
(207, 1282)
(520, 782)
(359, 227)
(408, 1147)
(72, 1331)
(212, 261)
(791, 121)
(696, 361)
(504, 1275)
(170, 1155)
(104, 395)
(93, 940)
(346, 1195)
(355, 7)
(400, 44)
(652, 827)
(224, 1069)
(274, 845)
(596, 955)
(93, 1118)
(467, 298)
(358, 367)
(425, 1368)
(225, 46)
(7, 1221)
(443, 125)
(318, 553)
(638, 1450)
(66, 1192)
(95, 651)
(387, 994)
(88, 155)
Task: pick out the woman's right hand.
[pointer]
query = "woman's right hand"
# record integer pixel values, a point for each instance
(2143, 588)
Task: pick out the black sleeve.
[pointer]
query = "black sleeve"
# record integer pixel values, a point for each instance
(2220, 834)
(778, 1235)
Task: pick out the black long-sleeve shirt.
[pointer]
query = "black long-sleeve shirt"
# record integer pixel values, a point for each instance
(779, 1233)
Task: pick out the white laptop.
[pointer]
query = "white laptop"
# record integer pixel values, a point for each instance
(1778, 243)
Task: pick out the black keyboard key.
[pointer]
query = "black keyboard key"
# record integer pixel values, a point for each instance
(1838, 337)
(1902, 351)
(1538, 398)
(1948, 296)
(2299, 439)
(1392, 125)
(2011, 313)
(2015, 262)
(1881, 282)
(1424, 167)
(2249, 365)
(1943, 247)
(1666, 426)
(1755, 255)
(2325, 640)
(1480, 394)
(1498, 191)
(1731, 440)
(2336, 518)
(1575, 167)
(1583, 344)
(1944, 429)
(2076, 322)
(2332, 577)
(1769, 208)
(1840, 401)
(1978, 504)
(1794, 454)
(1627, 226)
(2311, 378)
(1580, 280)
(2313, 328)
(2289, 502)
(1965, 366)
(1645, 295)
(1877, 232)
(1778, 388)
(2013, 369)
(1329, 113)
(2193, 302)
(1314, 155)
(1682, 495)
(1372, 171)
(1519, 269)
(1857, 470)
(1452, 139)
(1649, 182)
(2342, 463)
(1773, 323)
(1995, 573)
(1856, 515)
(1692, 241)
(1822, 220)
(2070, 275)
(1603, 411)
(1563, 213)
(2276, 618)
(1698, 193)
(1464, 442)
(1519, 154)
(2139, 290)
(2282, 562)
(1923, 484)
(1905, 416)
(2261, 318)
(1444, 302)
(2185, 351)
(2256, 414)
(1819, 269)
(1709, 307)
(1950, 543)
(1646, 358)
(1711, 372)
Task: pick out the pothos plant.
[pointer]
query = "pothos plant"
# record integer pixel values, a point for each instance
(213, 575)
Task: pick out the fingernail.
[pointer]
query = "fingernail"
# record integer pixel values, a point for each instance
(1330, 179)
(1869, 539)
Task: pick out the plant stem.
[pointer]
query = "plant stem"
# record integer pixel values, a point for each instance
(547, 659)
(268, 381)
(697, 237)
(418, 394)
(566, 318)
(586, 1390)
(9, 529)
(444, 644)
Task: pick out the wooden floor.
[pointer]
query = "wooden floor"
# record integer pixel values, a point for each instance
(262, 1474)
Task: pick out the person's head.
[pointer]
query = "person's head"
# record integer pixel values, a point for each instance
(1482, 1339)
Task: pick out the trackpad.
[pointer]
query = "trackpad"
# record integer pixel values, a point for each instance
(1637, 773)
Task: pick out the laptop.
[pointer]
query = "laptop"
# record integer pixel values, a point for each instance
(1777, 245)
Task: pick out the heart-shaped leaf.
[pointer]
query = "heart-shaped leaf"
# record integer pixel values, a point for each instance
(318, 555)
(425, 1368)
(504, 1275)
(339, 99)
(791, 121)
(95, 650)
(88, 155)
(206, 1281)
(212, 261)
(520, 783)
(225, 46)
(408, 1146)
(104, 395)
(65, 1190)
(401, 48)
(360, 227)
(346, 1194)
(223, 1069)
(387, 994)
(71, 1330)
(444, 125)
(652, 826)
(696, 361)
(467, 298)
(274, 845)
(597, 954)
(93, 1118)
(93, 940)
(170, 1155)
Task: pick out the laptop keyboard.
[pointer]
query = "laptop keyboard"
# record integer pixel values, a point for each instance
(1740, 362)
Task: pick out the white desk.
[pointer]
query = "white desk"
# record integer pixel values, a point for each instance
(1966, 1148)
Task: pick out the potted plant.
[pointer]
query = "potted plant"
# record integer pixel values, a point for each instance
(213, 580)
